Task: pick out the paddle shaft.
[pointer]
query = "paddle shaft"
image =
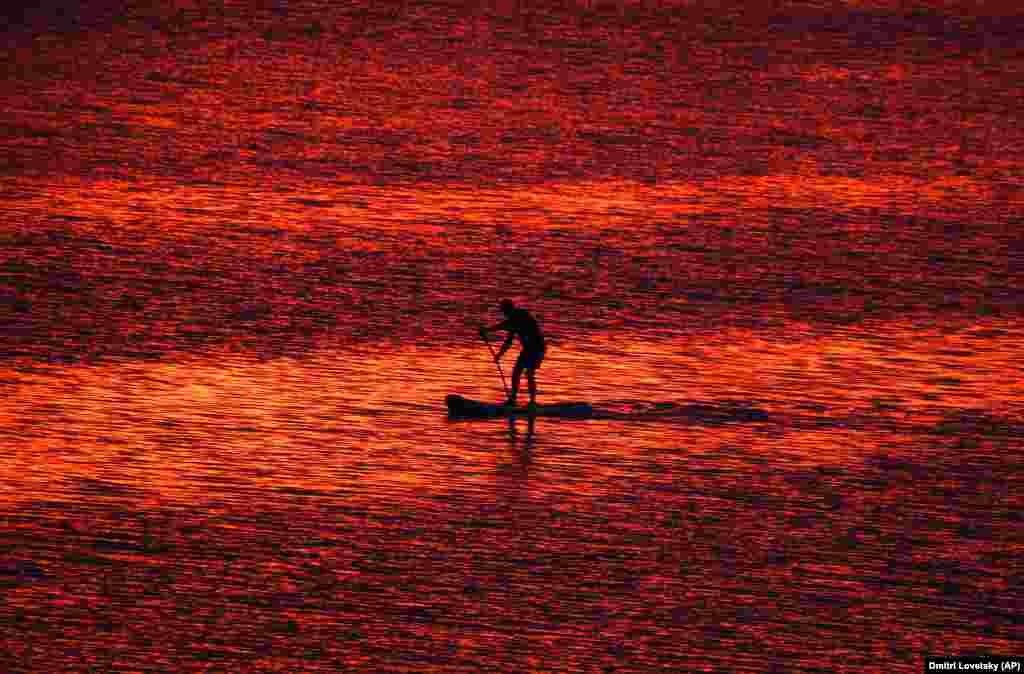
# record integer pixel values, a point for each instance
(504, 385)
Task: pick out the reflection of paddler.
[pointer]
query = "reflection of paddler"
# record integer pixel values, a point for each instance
(520, 323)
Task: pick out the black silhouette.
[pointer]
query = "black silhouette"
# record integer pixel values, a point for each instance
(467, 408)
(520, 323)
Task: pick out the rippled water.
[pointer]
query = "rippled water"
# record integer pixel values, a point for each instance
(245, 249)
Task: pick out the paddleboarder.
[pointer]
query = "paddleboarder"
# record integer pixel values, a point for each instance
(520, 323)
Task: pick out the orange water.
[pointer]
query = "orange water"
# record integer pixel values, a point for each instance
(244, 251)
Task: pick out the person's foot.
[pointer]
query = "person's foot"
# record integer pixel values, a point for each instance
(511, 402)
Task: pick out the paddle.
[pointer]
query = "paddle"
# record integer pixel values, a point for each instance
(504, 385)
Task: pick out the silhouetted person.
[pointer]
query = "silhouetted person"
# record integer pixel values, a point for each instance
(520, 323)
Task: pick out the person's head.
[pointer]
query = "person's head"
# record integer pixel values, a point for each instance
(507, 307)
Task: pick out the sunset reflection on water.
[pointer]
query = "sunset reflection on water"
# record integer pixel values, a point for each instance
(328, 493)
(245, 250)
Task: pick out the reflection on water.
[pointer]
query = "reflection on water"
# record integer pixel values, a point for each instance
(372, 417)
(321, 513)
(244, 251)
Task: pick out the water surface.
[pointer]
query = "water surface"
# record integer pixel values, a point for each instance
(245, 249)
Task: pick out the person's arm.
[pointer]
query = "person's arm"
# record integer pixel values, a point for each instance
(505, 346)
(500, 326)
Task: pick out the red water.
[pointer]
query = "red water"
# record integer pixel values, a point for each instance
(244, 250)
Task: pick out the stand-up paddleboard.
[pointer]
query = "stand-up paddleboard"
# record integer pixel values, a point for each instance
(466, 408)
